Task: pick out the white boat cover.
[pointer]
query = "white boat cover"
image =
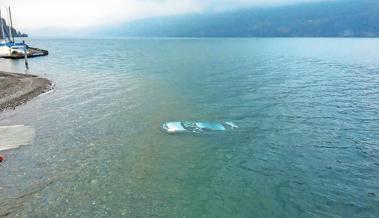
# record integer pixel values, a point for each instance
(210, 126)
(175, 126)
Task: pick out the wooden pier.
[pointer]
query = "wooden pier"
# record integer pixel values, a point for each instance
(31, 53)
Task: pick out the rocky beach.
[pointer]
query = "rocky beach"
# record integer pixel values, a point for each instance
(17, 89)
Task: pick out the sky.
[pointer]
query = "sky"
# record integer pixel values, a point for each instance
(34, 15)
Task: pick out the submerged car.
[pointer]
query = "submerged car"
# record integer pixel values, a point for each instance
(196, 127)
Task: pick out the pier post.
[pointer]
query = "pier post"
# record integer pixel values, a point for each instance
(26, 56)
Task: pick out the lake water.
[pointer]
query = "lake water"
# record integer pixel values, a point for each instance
(307, 146)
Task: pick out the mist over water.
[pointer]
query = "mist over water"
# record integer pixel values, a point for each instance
(307, 146)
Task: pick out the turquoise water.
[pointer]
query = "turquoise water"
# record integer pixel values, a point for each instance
(307, 146)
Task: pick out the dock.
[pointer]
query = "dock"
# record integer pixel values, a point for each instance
(31, 53)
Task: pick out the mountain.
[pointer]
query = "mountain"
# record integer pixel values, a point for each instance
(14, 31)
(338, 18)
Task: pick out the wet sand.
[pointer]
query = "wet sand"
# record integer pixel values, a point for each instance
(17, 89)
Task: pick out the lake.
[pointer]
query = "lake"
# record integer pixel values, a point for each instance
(307, 143)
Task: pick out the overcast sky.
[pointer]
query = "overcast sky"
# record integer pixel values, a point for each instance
(30, 15)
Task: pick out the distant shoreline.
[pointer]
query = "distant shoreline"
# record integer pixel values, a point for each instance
(17, 89)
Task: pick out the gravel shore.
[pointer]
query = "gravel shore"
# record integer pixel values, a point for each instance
(17, 89)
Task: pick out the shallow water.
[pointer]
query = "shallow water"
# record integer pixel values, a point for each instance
(12, 137)
(307, 146)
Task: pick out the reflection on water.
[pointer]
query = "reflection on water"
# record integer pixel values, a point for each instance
(307, 146)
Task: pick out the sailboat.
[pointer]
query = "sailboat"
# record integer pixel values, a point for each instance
(11, 49)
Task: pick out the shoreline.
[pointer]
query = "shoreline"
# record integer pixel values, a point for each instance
(17, 89)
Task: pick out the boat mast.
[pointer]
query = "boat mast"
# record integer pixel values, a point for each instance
(2, 26)
(11, 25)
